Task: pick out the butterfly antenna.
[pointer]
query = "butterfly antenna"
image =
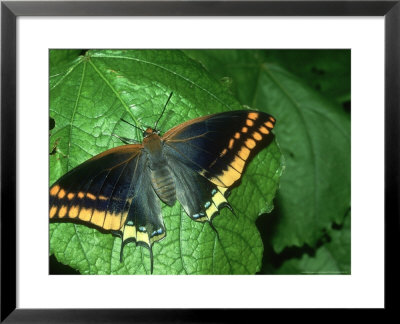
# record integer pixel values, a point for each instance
(125, 121)
(125, 140)
(165, 106)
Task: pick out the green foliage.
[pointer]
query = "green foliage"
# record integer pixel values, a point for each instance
(89, 94)
(331, 257)
(327, 71)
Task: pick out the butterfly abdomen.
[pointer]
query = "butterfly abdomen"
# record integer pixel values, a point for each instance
(161, 176)
(164, 184)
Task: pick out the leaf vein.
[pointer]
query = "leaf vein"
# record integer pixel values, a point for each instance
(170, 71)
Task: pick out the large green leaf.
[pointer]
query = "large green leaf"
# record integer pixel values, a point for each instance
(333, 257)
(313, 133)
(327, 71)
(88, 97)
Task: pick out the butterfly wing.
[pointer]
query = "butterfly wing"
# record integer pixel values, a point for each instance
(104, 192)
(208, 156)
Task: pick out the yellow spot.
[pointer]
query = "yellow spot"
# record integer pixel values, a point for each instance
(249, 122)
(218, 199)
(272, 119)
(231, 143)
(157, 238)
(113, 221)
(129, 232)
(238, 164)
(252, 115)
(71, 196)
(244, 153)
(230, 176)
(54, 190)
(108, 222)
(223, 152)
(81, 195)
(73, 211)
(222, 189)
(237, 135)
(85, 214)
(61, 194)
(63, 211)
(210, 211)
(53, 211)
(201, 219)
(98, 217)
(244, 130)
(257, 136)
(269, 124)
(250, 143)
(90, 196)
(142, 237)
(125, 214)
(102, 198)
(217, 182)
(263, 130)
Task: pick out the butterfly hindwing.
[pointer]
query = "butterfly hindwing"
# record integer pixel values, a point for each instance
(199, 197)
(144, 224)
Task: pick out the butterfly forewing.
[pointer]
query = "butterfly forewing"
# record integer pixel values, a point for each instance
(219, 146)
(96, 191)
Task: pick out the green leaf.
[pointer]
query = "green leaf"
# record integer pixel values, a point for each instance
(313, 133)
(314, 136)
(60, 64)
(237, 69)
(332, 257)
(327, 71)
(88, 98)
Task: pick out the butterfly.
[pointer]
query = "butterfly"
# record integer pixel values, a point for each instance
(197, 163)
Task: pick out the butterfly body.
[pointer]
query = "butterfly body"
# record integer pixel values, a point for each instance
(196, 163)
(162, 178)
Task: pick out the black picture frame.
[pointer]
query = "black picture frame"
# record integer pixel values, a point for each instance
(10, 10)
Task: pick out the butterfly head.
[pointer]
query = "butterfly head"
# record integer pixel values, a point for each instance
(149, 131)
